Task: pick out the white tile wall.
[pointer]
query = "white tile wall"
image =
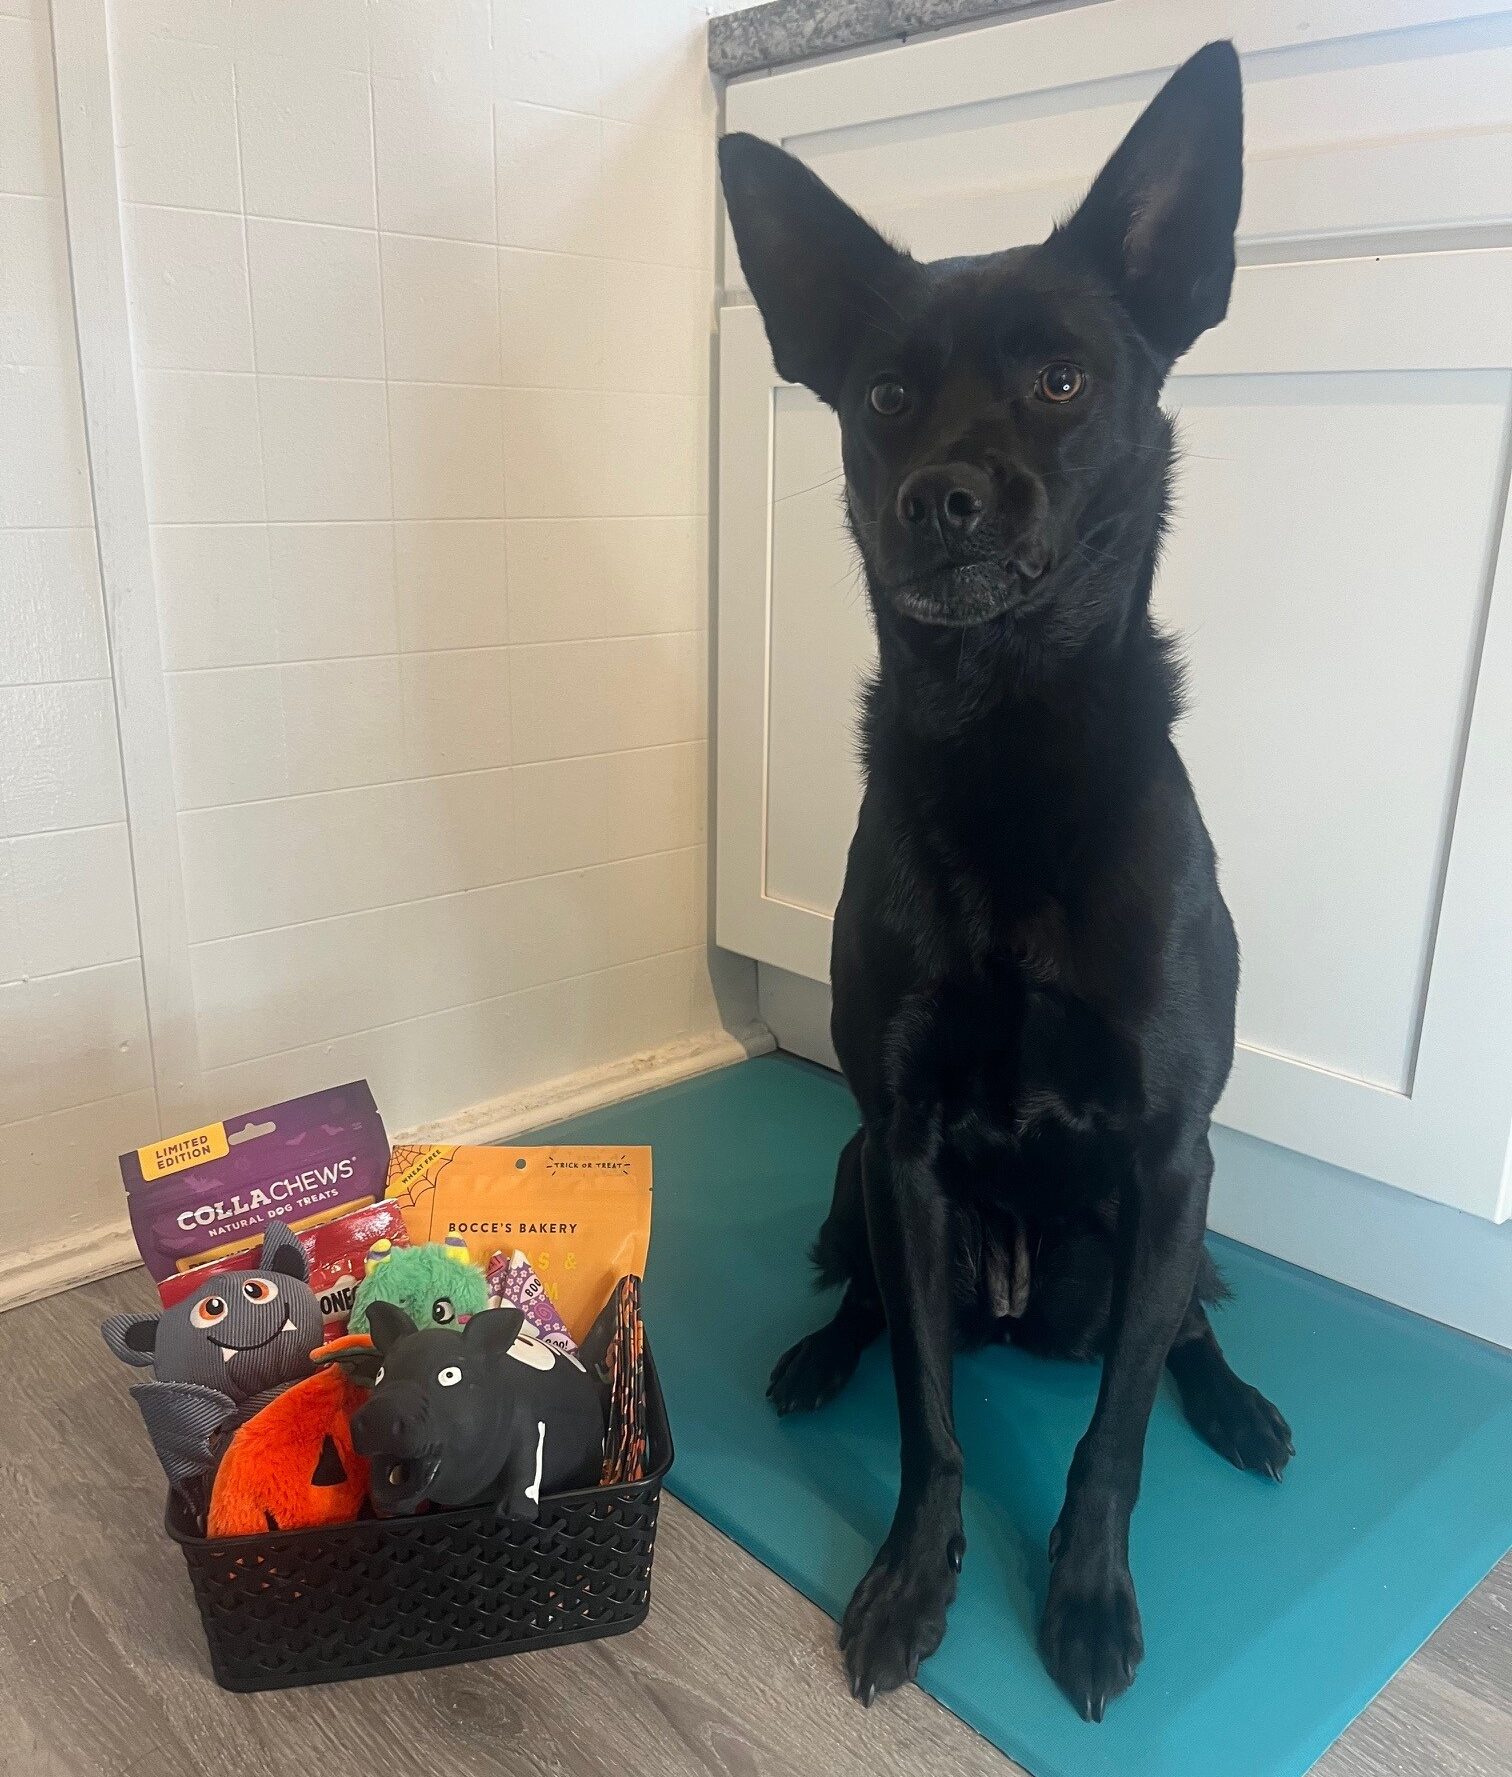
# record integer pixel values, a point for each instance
(325, 448)
(306, 136)
(187, 281)
(175, 118)
(429, 492)
(76, 1076)
(50, 610)
(446, 443)
(441, 310)
(421, 301)
(44, 469)
(435, 159)
(575, 580)
(317, 303)
(450, 583)
(29, 160)
(201, 445)
(35, 316)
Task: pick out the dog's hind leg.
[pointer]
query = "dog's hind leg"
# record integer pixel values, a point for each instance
(1236, 1419)
(819, 1366)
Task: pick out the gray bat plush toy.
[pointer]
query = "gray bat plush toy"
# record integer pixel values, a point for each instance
(220, 1354)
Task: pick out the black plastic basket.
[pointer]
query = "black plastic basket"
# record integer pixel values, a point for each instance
(398, 1594)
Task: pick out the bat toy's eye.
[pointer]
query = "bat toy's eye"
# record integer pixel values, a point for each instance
(258, 1289)
(450, 1376)
(209, 1312)
(442, 1311)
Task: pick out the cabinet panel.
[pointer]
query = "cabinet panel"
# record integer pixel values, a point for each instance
(1329, 573)
(819, 617)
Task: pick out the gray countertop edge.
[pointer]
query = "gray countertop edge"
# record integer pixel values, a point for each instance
(786, 31)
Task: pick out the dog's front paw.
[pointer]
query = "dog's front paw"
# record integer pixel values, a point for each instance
(1090, 1636)
(897, 1617)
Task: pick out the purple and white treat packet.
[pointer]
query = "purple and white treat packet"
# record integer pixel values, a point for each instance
(512, 1282)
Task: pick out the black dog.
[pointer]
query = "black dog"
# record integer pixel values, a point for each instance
(1034, 972)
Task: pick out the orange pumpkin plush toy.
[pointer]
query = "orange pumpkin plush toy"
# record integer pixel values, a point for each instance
(292, 1464)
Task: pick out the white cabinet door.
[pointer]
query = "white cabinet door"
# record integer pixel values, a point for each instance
(1338, 568)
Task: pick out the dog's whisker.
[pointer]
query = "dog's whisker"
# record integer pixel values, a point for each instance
(798, 492)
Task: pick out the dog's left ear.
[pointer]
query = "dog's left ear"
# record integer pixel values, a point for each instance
(1159, 220)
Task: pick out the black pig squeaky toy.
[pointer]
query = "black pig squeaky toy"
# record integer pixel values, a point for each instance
(487, 1414)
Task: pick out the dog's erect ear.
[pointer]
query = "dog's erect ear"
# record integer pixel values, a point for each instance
(819, 273)
(1159, 220)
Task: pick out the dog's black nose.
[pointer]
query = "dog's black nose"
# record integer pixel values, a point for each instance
(950, 498)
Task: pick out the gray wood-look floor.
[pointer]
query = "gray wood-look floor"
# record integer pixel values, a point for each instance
(103, 1673)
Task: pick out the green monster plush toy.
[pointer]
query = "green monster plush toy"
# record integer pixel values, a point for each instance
(436, 1285)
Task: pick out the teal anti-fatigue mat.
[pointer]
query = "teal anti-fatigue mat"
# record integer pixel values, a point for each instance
(1272, 1614)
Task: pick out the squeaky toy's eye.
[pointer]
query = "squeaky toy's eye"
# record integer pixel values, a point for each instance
(1060, 382)
(258, 1289)
(888, 397)
(442, 1311)
(450, 1376)
(208, 1313)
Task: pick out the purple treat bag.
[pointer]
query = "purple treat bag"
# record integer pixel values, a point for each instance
(512, 1280)
(209, 1192)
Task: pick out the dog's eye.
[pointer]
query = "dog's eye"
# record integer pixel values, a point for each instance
(1060, 382)
(888, 397)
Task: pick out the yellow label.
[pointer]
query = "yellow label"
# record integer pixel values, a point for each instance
(182, 1151)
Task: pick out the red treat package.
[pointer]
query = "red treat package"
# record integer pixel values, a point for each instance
(334, 1251)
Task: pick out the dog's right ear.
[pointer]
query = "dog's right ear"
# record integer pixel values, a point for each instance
(820, 273)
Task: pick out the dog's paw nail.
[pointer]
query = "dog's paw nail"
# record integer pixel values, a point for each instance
(956, 1553)
(868, 1696)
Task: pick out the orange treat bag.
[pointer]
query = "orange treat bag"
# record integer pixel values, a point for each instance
(582, 1216)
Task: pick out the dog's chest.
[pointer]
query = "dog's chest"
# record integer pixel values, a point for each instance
(1033, 1059)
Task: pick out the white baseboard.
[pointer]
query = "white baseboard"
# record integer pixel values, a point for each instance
(40, 1271)
(517, 1113)
(1435, 1261)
